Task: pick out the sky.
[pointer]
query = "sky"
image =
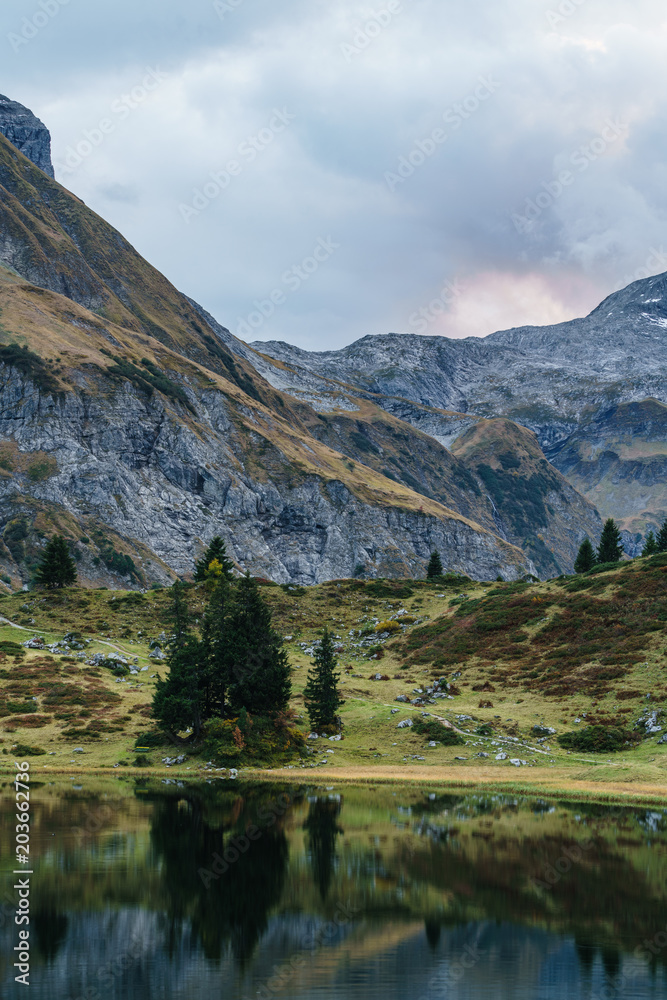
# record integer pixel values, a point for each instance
(315, 171)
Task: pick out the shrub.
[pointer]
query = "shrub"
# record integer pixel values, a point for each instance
(257, 739)
(434, 730)
(13, 648)
(601, 568)
(30, 365)
(599, 739)
(21, 707)
(153, 738)
(388, 626)
(24, 750)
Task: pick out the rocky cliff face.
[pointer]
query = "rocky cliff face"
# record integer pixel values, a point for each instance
(135, 421)
(559, 381)
(25, 131)
(144, 470)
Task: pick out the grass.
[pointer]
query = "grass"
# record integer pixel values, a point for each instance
(473, 629)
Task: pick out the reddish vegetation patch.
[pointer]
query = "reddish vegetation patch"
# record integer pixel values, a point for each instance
(595, 632)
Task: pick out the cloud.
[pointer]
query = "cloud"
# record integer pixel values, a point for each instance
(368, 91)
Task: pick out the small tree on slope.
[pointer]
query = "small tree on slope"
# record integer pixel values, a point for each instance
(217, 550)
(650, 545)
(57, 568)
(435, 566)
(177, 702)
(321, 694)
(662, 538)
(259, 674)
(585, 557)
(610, 548)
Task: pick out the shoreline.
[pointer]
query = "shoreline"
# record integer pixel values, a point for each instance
(552, 782)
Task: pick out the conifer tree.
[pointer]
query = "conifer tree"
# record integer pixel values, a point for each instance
(321, 694)
(259, 674)
(214, 667)
(610, 548)
(650, 545)
(178, 700)
(217, 550)
(662, 538)
(585, 557)
(57, 568)
(435, 566)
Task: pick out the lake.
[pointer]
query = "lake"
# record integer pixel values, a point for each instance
(145, 889)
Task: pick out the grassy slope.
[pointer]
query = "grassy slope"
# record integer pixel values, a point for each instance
(522, 642)
(541, 511)
(76, 344)
(618, 462)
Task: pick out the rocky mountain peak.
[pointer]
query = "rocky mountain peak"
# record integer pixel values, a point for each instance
(25, 131)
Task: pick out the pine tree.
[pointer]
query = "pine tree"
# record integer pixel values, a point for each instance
(214, 675)
(610, 548)
(259, 674)
(662, 538)
(585, 557)
(57, 568)
(321, 694)
(217, 550)
(178, 700)
(435, 566)
(650, 545)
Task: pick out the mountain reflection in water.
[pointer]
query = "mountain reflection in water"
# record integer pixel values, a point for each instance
(244, 891)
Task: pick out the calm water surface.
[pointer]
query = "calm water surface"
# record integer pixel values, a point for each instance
(168, 891)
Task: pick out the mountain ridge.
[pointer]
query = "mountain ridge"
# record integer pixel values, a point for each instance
(154, 435)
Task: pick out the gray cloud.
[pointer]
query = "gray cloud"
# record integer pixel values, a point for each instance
(366, 90)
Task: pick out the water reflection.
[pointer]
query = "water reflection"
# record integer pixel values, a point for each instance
(223, 886)
(246, 891)
(323, 829)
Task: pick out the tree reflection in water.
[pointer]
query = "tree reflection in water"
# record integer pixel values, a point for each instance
(322, 827)
(232, 909)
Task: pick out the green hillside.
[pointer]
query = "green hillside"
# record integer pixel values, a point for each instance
(564, 654)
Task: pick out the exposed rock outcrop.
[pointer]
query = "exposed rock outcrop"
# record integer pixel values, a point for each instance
(25, 131)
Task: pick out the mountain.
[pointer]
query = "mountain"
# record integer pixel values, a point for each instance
(138, 427)
(25, 131)
(592, 390)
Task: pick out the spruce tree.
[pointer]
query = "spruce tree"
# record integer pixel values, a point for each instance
(610, 548)
(662, 538)
(650, 545)
(214, 668)
(217, 550)
(435, 566)
(585, 557)
(178, 700)
(321, 694)
(259, 674)
(57, 568)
